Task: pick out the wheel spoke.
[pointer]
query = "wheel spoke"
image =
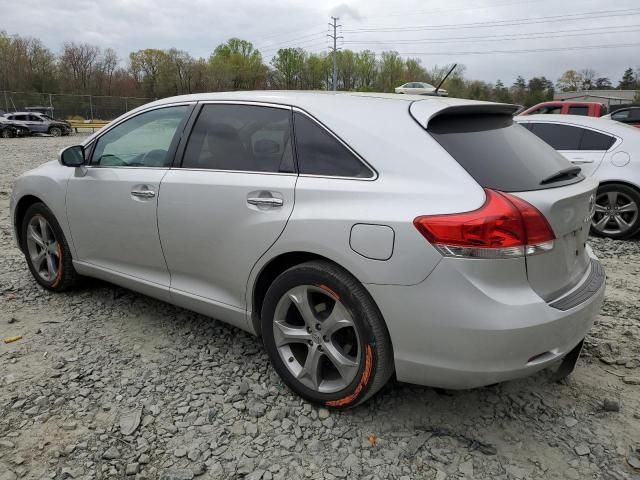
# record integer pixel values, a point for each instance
(612, 198)
(44, 231)
(300, 298)
(600, 224)
(33, 235)
(37, 259)
(345, 366)
(51, 268)
(311, 369)
(601, 208)
(621, 222)
(630, 207)
(285, 334)
(339, 318)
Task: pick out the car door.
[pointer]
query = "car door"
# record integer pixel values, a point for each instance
(568, 140)
(227, 202)
(38, 124)
(112, 202)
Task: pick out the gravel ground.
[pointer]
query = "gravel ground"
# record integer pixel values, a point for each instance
(106, 383)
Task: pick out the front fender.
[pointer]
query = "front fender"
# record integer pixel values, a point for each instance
(48, 184)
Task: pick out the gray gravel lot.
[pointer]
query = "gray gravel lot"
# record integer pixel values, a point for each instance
(106, 383)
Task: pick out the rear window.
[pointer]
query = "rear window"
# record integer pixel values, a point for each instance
(579, 111)
(500, 154)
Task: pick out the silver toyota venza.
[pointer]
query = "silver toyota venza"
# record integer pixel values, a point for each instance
(359, 235)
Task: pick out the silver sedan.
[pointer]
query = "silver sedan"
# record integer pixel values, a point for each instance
(359, 235)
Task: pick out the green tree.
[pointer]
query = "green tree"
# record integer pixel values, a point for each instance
(240, 64)
(570, 81)
(288, 64)
(414, 72)
(628, 81)
(346, 65)
(366, 70)
(391, 71)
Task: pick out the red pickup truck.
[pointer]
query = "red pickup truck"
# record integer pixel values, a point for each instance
(587, 109)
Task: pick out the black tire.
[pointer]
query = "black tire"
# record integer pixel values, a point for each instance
(625, 193)
(376, 355)
(55, 131)
(66, 277)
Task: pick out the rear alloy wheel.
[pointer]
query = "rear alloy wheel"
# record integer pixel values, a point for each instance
(46, 250)
(325, 336)
(616, 212)
(55, 131)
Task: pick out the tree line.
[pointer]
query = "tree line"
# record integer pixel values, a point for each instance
(27, 65)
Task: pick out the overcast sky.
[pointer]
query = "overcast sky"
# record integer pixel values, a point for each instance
(421, 28)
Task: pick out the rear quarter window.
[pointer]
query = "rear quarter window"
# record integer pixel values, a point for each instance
(320, 153)
(498, 153)
(560, 137)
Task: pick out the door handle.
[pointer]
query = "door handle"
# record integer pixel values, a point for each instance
(265, 201)
(143, 193)
(580, 161)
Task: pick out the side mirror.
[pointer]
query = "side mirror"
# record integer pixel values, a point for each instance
(72, 156)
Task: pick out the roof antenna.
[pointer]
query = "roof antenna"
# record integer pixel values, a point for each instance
(435, 92)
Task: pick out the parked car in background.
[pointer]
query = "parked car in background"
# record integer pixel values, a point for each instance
(420, 88)
(40, 123)
(629, 115)
(606, 150)
(350, 282)
(11, 129)
(586, 109)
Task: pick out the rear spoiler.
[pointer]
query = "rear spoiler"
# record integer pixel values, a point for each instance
(424, 111)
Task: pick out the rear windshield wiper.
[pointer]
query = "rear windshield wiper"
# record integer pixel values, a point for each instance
(564, 174)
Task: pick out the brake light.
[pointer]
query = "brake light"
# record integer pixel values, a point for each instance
(504, 227)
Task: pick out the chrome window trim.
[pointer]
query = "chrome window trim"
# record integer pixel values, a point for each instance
(344, 144)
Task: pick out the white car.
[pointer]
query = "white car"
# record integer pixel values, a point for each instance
(607, 150)
(420, 88)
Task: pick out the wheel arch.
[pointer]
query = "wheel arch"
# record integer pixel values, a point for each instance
(270, 271)
(21, 209)
(620, 182)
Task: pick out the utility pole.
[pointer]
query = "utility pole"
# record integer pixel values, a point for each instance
(335, 37)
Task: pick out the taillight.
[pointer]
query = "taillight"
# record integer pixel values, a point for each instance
(504, 227)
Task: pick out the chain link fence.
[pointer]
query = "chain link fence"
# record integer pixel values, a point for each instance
(67, 106)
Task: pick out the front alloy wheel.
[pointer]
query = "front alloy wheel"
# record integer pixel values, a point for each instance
(46, 249)
(325, 336)
(55, 131)
(616, 212)
(43, 248)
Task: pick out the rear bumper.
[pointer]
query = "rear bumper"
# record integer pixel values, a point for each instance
(458, 329)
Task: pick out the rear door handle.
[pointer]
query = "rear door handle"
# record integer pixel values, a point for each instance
(265, 201)
(143, 193)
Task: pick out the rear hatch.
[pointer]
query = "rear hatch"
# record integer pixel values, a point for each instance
(504, 156)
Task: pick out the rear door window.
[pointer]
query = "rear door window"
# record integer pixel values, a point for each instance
(498, 153)
(560, 137)
(320, 153)
(245, 138)
(575, 110)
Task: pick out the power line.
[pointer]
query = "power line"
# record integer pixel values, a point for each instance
(533, 50)
(498, 38)
(449, 10)
(504, 23)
